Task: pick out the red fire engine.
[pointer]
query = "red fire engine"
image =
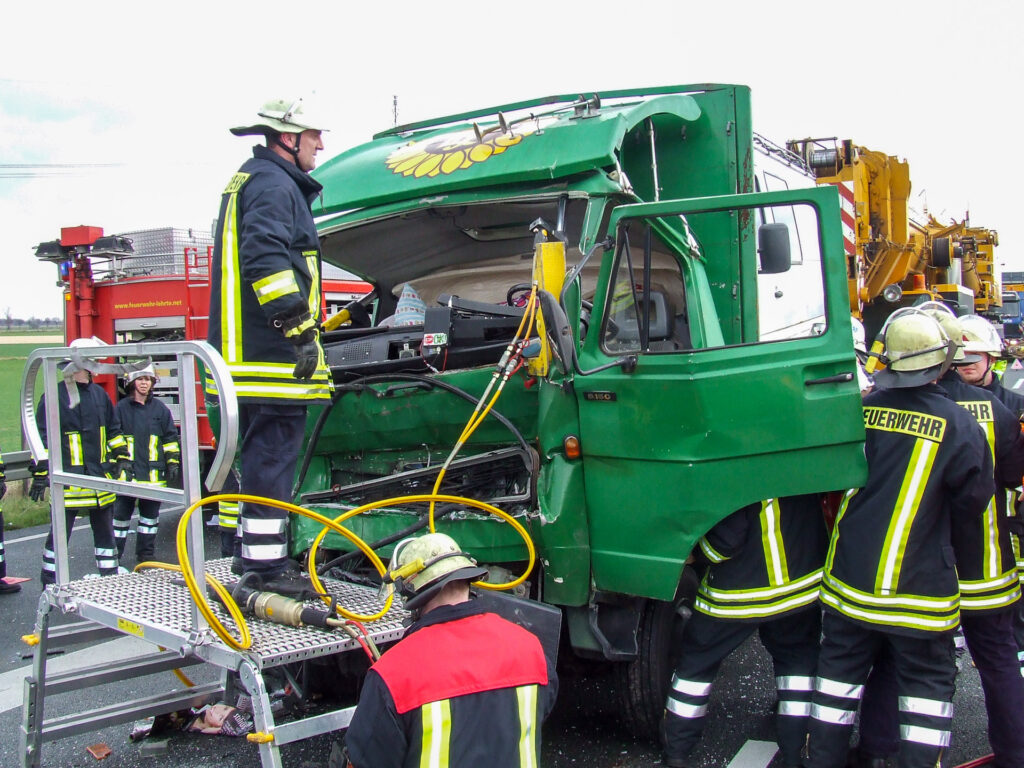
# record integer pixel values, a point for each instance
(149, 285)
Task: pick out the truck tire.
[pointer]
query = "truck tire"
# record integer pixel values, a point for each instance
(643, 683)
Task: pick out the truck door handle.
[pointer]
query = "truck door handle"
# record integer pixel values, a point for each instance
(837, 379)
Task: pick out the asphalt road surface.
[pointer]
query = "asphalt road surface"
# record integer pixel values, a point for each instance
(584, 731)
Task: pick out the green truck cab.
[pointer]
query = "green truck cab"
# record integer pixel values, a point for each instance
(699, 343)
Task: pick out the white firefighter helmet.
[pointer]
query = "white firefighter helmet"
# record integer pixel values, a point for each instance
(76, 362)
(953, 328)
(281, 116)
(439, 562)
(980, 335)
(147, 371)
(859, 336)
(917, 350)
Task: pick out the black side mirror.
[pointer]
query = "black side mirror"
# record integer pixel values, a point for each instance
(773, 248)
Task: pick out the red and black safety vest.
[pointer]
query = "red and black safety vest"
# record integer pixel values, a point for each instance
(463, 689)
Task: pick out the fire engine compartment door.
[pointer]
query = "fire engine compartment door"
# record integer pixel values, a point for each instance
(744, 386)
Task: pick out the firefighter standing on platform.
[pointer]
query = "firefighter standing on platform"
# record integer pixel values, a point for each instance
(264, 307)
(764, 570)
(890, 581)
(463, 688)
(5, 588)
(989, 586)
(90, 441)
(156, 455)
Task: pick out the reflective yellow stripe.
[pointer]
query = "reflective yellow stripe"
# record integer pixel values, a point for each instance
(154, 447)
(527, 697)
(300, 329)
(437, 727)
(914, 481)
(75, 449)
(275, 286)
(712, 554)
(103, 444)
(771, 540)
(230, 291)
(130, 442)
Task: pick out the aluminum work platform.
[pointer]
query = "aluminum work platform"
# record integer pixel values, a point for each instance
(156, 606)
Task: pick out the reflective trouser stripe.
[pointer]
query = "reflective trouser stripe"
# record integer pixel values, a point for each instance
(688, 711)
(931, 707)
(106, 560)
(688, 699)
(527, 698)
(147, 524)
(264, 526)
(833, 715)
(929, 736)
(800, 688)
(264, 551)
(838, 689)
(437, 726)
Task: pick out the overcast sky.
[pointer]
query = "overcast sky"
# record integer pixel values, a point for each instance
(120, 110)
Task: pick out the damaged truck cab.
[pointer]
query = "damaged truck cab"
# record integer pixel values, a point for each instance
(695, 355)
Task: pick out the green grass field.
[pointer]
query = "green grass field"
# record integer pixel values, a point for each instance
(19, 512)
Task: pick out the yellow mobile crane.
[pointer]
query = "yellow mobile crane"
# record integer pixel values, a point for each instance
(893, 260)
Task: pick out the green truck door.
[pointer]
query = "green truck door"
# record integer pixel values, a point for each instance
(743, 386)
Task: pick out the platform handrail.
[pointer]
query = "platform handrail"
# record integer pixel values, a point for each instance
(185, 353)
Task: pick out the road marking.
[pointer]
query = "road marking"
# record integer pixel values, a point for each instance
(12, 683)
(754, 754)
(35, 536)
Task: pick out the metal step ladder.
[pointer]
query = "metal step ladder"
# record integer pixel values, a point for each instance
(155, 605)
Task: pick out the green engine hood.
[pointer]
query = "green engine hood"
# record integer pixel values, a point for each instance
(511, 144)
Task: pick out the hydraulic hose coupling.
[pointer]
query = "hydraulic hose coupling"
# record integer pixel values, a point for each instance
(279, 609)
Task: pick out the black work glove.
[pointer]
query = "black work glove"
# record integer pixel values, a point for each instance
(40, 480)
(125, 470)
(308, 355)
(301, 331)
(3, 488)
(174, 474)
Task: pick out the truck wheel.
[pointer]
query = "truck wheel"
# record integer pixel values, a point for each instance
(643, 683)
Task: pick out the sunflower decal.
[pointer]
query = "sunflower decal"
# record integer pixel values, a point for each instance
(451, 152)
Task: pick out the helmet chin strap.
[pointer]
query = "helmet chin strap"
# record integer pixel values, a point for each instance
(293, 151)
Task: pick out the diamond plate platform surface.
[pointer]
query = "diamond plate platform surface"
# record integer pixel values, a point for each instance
(160, 598)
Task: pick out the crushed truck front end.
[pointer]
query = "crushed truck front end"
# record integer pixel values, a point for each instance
(685, 390)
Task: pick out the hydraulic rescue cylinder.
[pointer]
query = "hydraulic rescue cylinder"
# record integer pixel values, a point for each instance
(549, 274)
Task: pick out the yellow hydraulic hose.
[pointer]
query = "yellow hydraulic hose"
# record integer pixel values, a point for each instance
(503, 371)
(431, 497)
(244, 641)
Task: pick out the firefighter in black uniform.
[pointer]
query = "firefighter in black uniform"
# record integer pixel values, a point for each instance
(264, 309)
(90, 443)
(153, 446)
(989, 586)
(5, 588)
(764, 569)
(981, 338)
(890, 580)
(463, 688)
